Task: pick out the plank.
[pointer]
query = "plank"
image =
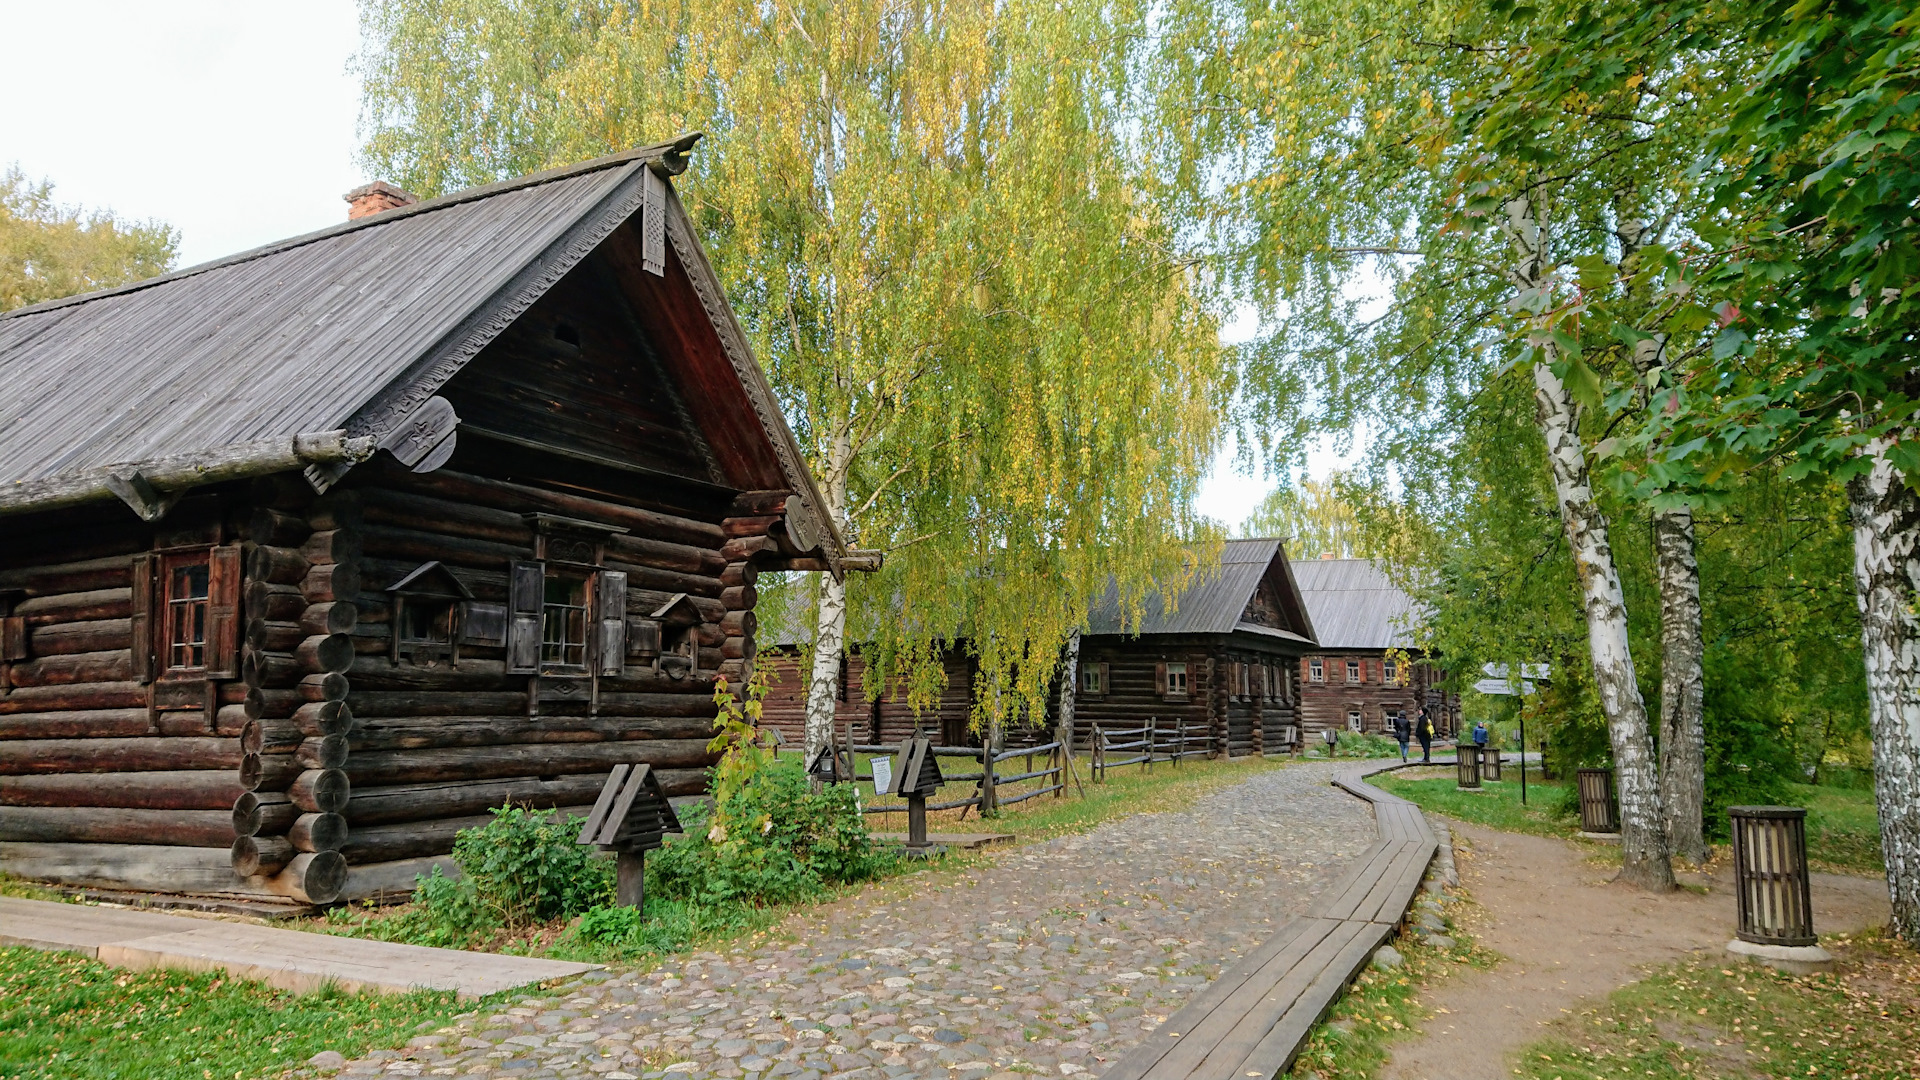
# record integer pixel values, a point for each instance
(1275, 1052)
(1284, 997)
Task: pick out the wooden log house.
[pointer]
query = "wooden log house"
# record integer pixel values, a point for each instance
(1221, 660)
(311, 556)
(1369, 666)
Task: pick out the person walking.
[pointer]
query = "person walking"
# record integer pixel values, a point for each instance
(1480, 734)
(1402, 731)
(1423, 727)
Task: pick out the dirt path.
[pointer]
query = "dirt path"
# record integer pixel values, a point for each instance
(1567, 934)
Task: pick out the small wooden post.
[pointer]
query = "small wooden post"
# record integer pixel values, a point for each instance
(917, 821)
(989, 799)
(1153, 731)
(630, 879)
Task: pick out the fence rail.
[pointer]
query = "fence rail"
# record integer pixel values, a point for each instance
(1150, 742)
(987, 782)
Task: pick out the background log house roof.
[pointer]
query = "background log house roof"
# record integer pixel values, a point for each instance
(1356, 606)
(1214, 601)
(348, 327)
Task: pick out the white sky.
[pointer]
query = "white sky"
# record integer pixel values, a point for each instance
(234, 122)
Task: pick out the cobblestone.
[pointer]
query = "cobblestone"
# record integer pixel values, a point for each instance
(1053, 960)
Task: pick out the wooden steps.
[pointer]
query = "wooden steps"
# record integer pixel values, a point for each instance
(1249, 1023)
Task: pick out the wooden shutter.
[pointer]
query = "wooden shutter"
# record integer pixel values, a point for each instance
(223, 612)
(1160, 679)
(528, 589)
(13, 638)
(1106, 680)
(610, 607)
(141, 579)
(645, 639)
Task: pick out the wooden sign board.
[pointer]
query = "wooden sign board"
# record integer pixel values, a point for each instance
(883, 776)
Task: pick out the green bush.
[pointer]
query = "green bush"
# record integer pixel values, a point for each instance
(669, 926)
(768, 839)
(518, 870)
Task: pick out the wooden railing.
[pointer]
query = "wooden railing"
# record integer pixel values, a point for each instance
(1148, 743)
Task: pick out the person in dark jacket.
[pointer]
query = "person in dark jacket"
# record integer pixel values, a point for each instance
(1423, 728)
(1479, 733)
(1402, 731)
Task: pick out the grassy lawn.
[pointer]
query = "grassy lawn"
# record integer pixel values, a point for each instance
(1708, 1018)
(62, 1015)
(1843, 828)
(1496, 805)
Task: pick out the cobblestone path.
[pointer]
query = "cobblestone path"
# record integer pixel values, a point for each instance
(1053, 960)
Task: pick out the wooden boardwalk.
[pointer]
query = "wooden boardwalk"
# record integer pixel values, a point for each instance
(288, 959)
(1249, 1023)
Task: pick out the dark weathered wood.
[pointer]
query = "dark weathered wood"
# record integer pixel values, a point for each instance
(84, 575)
(315, 878)
(116, 603)
(263, 703)
(405, 703)
(323, 718)
(277, 565)
(319, 791)
(230, 720)
(278, 603)
(208, 789)
(326, 654)
(73, 669)
(458, 798)
(277, 528)
(430, 732)
(332, 546)
(739, 573)
(267, 636)
(97, 635)
(380, 768)
(116, 825)
(270, 812)
(271, 670)
(330, 686)
(270, 737)
(448, 484)
(318, 832)
(418, 546)
(78, 724)
(331, 581)
(696, 702)
(662, 555)
(267, 772)
(449, 517)
(260, 855)
(20, 757)
(415, 839)
(322, 752)
(117, 695)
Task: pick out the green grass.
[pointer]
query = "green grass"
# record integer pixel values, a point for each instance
(1712, 1018)
(1496, 805)
(1843, 827)
(62, 1015)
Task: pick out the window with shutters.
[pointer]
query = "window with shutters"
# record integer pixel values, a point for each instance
(1390, 671)
(1176, 680)
(563, 626)
(186, 614)
(1093, 680)
(1353, 719)
(186, 607)
(1317, 670)
(426, 616)
(1353, 671)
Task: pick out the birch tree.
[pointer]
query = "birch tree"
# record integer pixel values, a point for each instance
(49, 251)
(947, 246)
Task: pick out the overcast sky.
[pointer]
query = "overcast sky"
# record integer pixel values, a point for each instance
(234, 123)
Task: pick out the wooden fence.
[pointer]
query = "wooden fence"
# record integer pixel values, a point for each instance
(987, 781)
(1147, 744)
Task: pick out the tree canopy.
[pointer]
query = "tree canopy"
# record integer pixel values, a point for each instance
(48, 251)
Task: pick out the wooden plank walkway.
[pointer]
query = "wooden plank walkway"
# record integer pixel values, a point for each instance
(288, 959)
(1250, 1023)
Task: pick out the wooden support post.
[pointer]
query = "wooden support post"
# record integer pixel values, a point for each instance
(630, 879)
(989, 800)
(917, 824)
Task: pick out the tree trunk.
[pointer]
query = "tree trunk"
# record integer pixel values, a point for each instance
(1886, 567)
(1069, 688)
(1643, 838)
(1683, 749)
(830, 627)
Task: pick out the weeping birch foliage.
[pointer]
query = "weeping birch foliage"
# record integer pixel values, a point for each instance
(947, 249)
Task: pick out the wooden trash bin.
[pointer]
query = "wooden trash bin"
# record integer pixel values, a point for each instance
(1490, 762)
(1771, 884)
(1596, 801)
(1466, 759)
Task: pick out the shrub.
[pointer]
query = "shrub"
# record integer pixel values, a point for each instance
(769, 838)
(520, 869)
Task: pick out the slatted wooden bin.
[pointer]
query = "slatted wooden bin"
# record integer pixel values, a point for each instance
(1596, 801)
(1466, 764)
(1771, 885)
(631, 817)
(1490, 763)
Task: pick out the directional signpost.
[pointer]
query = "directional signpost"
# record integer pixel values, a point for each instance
(1501, 684)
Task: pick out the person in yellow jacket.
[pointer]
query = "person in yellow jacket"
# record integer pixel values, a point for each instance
(1423, 730)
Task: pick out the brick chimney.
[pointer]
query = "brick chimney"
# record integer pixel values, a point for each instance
(369, 199)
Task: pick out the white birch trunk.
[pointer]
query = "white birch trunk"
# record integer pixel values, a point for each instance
(1069, 689)
(1643, 836)
(830, 623)
(1886, 567)
(1683, 737)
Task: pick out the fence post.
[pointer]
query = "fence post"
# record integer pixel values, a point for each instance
(1153, 729)
(989, 801)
